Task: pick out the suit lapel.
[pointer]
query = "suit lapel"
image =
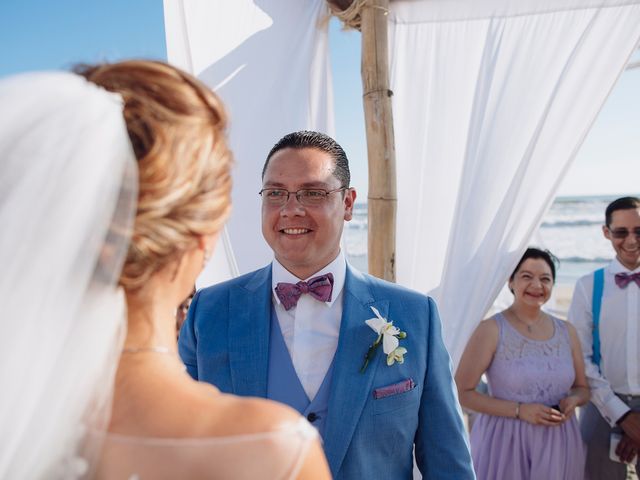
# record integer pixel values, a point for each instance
(350, 389)
(248, 341)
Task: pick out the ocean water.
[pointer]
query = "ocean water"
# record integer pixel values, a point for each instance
(571, 230)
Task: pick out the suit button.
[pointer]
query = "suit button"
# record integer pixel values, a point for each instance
(312, 417)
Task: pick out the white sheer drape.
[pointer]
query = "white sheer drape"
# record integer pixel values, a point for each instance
(268, 59)
(491, 102)
(68, 191)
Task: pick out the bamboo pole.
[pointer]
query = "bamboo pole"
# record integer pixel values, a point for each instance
(382, 198)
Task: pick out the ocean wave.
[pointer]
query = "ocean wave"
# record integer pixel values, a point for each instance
(579, 202)
(585, 259)
(355, 252)
(581, 199)
(357, 225)
(570, 223)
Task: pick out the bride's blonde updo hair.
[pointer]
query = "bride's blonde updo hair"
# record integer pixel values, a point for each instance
(177, 129)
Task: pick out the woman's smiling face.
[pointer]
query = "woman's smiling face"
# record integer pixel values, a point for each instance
(532, 283)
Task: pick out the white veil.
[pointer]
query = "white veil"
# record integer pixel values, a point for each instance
(68, 188)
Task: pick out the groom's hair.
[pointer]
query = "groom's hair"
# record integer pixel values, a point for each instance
(319, 141)
(624, 203)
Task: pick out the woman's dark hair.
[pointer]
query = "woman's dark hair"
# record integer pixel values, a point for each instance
(545, 255)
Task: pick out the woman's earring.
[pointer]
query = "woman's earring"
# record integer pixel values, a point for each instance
(207, 256)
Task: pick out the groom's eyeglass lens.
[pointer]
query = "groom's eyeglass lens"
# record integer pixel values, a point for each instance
(620, 233)
(309, 197)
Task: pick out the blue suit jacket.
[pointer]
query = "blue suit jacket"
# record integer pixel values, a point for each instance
(225, 341)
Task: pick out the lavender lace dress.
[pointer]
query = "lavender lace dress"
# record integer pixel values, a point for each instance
(528, 371)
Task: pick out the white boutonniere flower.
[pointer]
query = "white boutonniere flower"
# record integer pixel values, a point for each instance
(389, 336)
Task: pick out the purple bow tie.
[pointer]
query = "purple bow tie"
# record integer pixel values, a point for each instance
(624, 279)
(319, 288)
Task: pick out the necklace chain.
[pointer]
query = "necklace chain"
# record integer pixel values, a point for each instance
(152, 349)
(529, 325)
(155, 349)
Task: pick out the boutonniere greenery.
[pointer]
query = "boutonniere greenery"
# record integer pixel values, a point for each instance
(389, 336)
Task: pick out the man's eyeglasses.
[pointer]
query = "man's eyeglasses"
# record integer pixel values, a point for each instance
(309, 197)
(622, 233)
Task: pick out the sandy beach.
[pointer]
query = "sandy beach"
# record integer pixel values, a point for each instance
(561, 299)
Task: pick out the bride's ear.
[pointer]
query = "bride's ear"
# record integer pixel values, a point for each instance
(206, 243)
(202, 242)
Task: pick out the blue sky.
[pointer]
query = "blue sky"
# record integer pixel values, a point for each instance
(45, 34)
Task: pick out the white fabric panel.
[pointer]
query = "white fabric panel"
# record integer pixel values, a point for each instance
(491, 103)
(268, 59)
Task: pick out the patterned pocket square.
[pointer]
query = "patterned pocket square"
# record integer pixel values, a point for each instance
(395, 389)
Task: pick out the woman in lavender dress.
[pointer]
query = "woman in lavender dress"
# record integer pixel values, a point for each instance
(527, 428)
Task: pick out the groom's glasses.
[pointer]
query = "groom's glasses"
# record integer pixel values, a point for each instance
(621, 233)
(309, 197)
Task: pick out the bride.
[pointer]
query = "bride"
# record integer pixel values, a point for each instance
(115, 184)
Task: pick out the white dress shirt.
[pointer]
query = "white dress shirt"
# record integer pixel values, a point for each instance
(311, 328)
(619, 340)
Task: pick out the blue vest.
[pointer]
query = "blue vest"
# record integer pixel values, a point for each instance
(283, 384)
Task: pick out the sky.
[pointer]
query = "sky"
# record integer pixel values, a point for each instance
(43, 34)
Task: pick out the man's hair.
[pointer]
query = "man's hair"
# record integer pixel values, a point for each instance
(624, 203)
(545, 255)
(319, 141)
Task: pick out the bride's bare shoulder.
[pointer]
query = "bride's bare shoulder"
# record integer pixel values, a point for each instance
(176, 406)
(233, 415)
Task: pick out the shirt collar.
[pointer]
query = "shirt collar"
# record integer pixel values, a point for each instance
(616, 267)
(338, 267)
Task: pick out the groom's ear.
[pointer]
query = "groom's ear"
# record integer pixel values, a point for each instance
(349, 201)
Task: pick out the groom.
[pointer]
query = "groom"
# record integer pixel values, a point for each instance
(295, 332)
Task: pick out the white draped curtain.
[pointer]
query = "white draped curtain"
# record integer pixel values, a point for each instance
(492, 100)
(269, 61)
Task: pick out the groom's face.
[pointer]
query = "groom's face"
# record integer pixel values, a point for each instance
(305, 238)
(627, 246)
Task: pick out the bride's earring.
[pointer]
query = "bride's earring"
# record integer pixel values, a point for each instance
(207, 256)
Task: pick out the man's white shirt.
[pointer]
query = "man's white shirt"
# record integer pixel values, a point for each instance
(311, 328)
(619, 340)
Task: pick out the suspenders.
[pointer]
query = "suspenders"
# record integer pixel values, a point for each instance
(596, 303)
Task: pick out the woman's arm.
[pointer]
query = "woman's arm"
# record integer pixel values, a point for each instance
(579, 393)
(476, 359)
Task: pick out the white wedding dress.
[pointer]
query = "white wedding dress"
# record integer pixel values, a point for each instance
(275, 455)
